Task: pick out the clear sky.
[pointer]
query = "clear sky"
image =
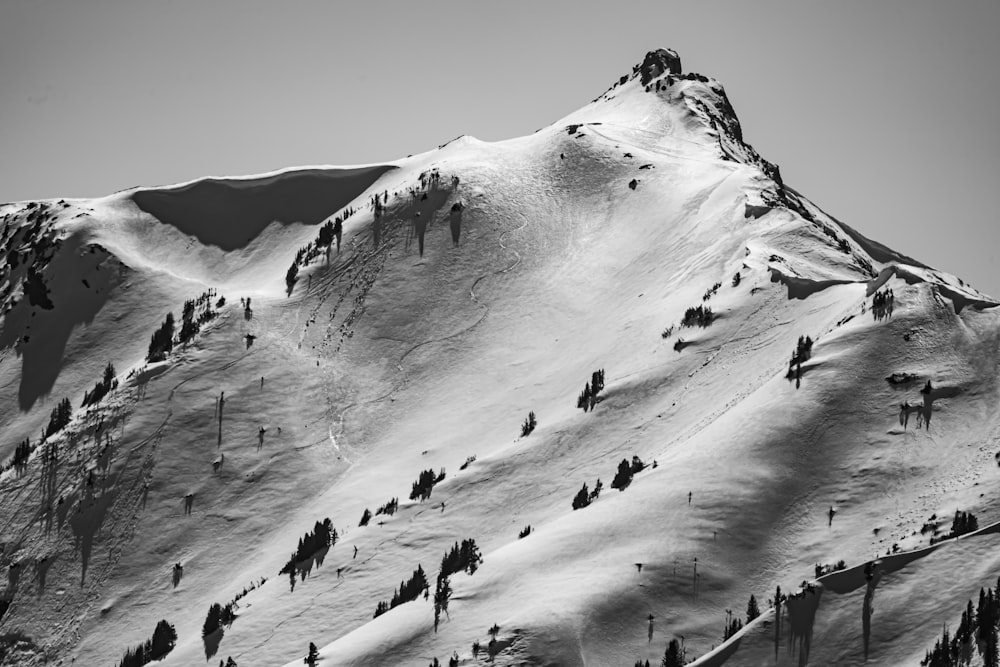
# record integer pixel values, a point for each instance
(883, 113)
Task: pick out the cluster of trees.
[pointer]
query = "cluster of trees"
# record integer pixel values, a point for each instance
(524, 532)
(163, 642)
(21, 454)
(701, 316)
(322, 535)
(673, 656)
(59, 417)
(332, 229)
(709, 293)
(389, 508)
(736, 279)
(464, 557)
(430, 179)
(224, 615)
(468, 461)
(162, 341)
(978, 628)
(291, 276)
(882, 304)
(102, 388)
(827, 569)
(733, 625)
(329, 231)
(803, 352)
(492, 648)
(408, 590)
(306, 254)
(529, 424)
(190, 324)
(425, 483)
(587, 399)
(392, 506)
(584, 496)
(217, 617)
(964, 522)
(626, 471)
(442, 595)
(228, 663)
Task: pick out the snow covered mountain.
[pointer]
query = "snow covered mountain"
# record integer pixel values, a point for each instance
(365, 344)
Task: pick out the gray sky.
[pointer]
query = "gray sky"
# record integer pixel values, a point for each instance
(883, 113)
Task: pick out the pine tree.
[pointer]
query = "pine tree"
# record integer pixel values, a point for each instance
(164, 640)
(213, 620)
(529, 424)
(672, 657)
(441, 597)
(162, 341)
(313, 656)
(623, 477)
(753, 611)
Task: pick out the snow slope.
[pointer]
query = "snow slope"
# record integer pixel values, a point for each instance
(544, 258)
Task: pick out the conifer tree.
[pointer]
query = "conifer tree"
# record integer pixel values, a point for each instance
(753, 611)
(623, 477)
(312, 657)
(442, 595)
(672, 657)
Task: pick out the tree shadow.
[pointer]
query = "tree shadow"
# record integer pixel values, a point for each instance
(212, 641)
(13, 576)
(49, 483)
(42, 566)
(680, 344)
(420, 227)
(420, 210)
(79, 283)
(802, 607)
(925, 410)
(455, 221)
(86, 523)
(873, 574)
(229, 213)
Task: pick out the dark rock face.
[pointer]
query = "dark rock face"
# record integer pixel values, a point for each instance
(657, 62)
(36, 290)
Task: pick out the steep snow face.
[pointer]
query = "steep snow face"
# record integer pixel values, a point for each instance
(384, 321)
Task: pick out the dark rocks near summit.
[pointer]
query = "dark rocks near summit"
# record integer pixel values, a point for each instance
(658, 62)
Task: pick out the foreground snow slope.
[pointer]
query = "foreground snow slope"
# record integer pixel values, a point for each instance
(543, 259)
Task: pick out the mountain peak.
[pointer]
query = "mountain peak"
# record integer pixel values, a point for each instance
(656, 63)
